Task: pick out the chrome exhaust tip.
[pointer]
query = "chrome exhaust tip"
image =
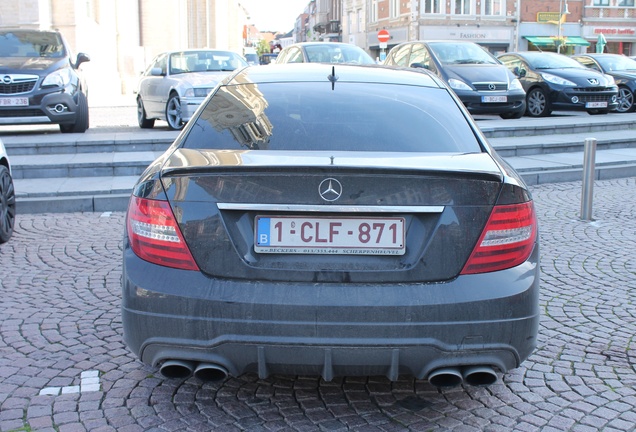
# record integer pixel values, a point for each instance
(479, 375)
(176, 369)
(210, 372)
(445, 377)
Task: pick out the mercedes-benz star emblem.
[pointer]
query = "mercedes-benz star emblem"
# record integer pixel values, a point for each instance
(330, 189)
(492, 86)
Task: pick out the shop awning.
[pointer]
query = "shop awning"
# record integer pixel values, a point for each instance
(548, 41)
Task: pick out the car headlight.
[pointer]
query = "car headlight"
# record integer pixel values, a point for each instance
(196, 92)
(458, 84)
(60, 78)
(611, 80)
(557, 80)
(515, 84)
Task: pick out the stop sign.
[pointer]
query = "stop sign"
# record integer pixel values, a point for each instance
(383, 35)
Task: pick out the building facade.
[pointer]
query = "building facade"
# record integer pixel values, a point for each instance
(566, 26)
(122, 36)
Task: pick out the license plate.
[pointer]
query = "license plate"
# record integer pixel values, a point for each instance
(596, 105)
(322, 235)
(17, 101)
(487, 99)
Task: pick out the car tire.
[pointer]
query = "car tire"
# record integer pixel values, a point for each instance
(144, 122)
(173, 112)
(625, 100)
(537, 103)
(7, 205)
(81, 117)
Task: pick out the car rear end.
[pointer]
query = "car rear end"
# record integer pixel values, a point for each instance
(331, 221)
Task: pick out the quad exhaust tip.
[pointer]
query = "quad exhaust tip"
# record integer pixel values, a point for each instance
(181, 369)
(479, 376)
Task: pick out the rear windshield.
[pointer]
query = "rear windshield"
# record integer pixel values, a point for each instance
(31, 44)
(350, 117)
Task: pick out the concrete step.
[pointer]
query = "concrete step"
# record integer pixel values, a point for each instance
(69, 165)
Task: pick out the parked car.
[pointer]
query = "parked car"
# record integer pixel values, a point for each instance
(324, 52)
(622, 68)
(41, 82)
(7, 197)
(556, 82)
(176, 82)
(482, 83)
(331, 220)
(268, 58)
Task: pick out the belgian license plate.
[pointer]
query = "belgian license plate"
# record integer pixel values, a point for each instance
(14, 101)
(329, 235)
(487, 99)
(596, 105)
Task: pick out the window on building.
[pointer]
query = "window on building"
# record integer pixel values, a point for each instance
(462, 7)
(394, 8)
(360, 18)
(373, 11)
(601, 2)
(493, 7)
(626, 3)
(433, 6)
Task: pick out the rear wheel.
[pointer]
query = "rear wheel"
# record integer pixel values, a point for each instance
(625, 100)
(173, 112)
(537, 104)
(81, 117)
(7, 204)
(144, 122)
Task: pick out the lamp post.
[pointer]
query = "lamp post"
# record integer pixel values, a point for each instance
(563, 11)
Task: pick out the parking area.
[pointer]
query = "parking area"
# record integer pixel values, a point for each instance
(63, 365)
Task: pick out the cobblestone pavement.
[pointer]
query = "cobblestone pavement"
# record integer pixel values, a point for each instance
(63, 366)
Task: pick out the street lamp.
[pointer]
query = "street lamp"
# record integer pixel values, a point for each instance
(563, 11)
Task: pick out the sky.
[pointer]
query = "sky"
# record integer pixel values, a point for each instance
(274, 15)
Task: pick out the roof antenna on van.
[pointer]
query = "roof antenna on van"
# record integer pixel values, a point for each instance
(333, 78)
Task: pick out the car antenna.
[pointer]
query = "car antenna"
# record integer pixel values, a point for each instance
(333, 78)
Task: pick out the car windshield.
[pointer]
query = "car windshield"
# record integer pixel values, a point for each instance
(31, 44)
(616, 63)
(544, 60)
(312, 116)
(461, 53)
(204, 61)
(337, 54)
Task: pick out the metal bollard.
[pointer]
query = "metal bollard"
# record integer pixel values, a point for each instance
(587, 194)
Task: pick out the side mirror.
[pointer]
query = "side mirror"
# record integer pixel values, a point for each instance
(419, 65)
(155, 71)
(520, 72)
(81, 58)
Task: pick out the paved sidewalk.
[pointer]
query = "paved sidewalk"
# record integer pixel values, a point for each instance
(63, 366)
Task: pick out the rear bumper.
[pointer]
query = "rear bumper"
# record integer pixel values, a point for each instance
(331, 329)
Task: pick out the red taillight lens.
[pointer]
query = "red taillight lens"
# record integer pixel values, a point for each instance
(155, 236)
(507, 240)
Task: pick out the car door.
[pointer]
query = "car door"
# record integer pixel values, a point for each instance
(151, 87)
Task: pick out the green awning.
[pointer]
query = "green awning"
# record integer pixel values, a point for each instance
(575, 40)
(548, 41)
(540, 41)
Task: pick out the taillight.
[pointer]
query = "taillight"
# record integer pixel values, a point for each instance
(155, 236)
(507, 240)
